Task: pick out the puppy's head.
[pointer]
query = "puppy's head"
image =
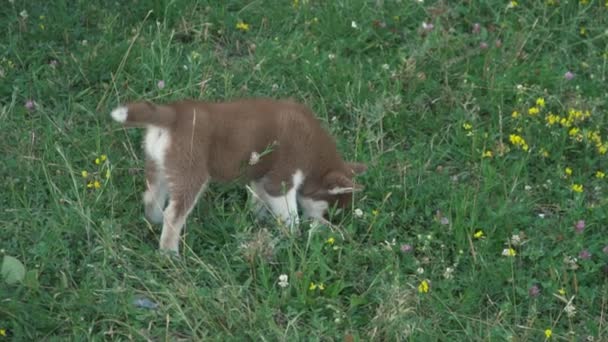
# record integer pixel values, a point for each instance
(338, 186)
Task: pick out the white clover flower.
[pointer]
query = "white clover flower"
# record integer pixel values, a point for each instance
(23, 14)
(515, 240)
(358, 213)
(570, 310)
(448, 273)
(283, 280)
(420, 270)
(254, 159)
(353, 24)
(331, 56)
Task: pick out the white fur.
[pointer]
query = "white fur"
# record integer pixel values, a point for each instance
(286, 207)
(339, 190)
(155, 198)
(312, 208)
(120, 114)
(156, 143)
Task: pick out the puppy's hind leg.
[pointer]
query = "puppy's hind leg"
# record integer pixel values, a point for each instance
(183, 194)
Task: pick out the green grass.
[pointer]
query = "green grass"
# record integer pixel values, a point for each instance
(420, 108)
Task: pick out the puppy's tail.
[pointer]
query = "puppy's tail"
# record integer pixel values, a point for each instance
(144, 114)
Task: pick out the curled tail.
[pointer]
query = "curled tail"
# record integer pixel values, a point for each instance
(144, 114)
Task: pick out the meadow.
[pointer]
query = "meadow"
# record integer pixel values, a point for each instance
(484, 125)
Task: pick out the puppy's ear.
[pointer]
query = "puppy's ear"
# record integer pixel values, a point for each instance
(337, 183)
(356, 168)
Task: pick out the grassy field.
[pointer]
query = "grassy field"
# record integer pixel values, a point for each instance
(484, 124)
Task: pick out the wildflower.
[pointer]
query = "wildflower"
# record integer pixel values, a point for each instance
(331, 56)
(30, 105)
(568, 75)
(548, 333)
(577, 188)
(487, 154)
(283, 280)
(84, 174)
(516, 239)
(568, 171)
(583, 31)
(478, 234)
(509, 252)
(2, 332)
(375, 212)
(242, 26)
(53, 63)
(353, 24)
(314, 286)
(540, 102)
(330, 241)
(573, 131)
(599, 174)
(448, 273)
(406, 248)
(427, 26)
(423, 287)
(160, 84)
(584, 254)
(570, 310)
(544, 153)
(562, 291)
(571, 262)
(483, 45)
(420, 270)
(444, 221)
(94, 185)
(254, 158)
(23, 14)
(533, 110)
(518, 141)
(467, 126)
(534, 291)
(515, 114)
(552, 119)
(358, 213)
(103, 157)
(512, 4)
(97, 161)
(579, 226)
(476, 28)
(527, 187)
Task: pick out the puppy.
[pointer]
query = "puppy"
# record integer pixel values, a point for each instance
(279, 147)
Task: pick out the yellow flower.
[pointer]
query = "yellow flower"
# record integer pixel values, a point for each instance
(603, 148)
(467, 126)
(544, 153)
(312, 286)
(242, 26)
(3, 332)
(321, 287)
(517, 140)
(515, 114)
(583, 31)
(103, 157)
(84, 174)
(96, 184)
(330, 241)
(577, 188)
(552, 119)
(512, 4)
(600, 175)
(562, 291)
(487, 154)
(97, 161)
(573, 131)
(423, 287)
(375, 212)
(540, 102)
(548, 333)
(478, 234)
(510, 252)
(568, 171)
(533, 110)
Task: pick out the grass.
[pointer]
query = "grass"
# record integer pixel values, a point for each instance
(456, 178)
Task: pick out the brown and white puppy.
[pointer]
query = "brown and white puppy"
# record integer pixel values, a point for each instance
(277, 146)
